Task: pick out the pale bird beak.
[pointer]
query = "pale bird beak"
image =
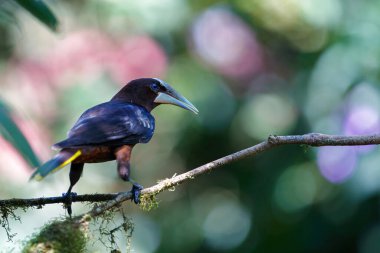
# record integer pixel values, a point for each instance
(174, 98)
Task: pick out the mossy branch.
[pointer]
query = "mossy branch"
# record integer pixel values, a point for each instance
(115, 199)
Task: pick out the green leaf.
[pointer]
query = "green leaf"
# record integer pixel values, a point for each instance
(41, 11)
(10, 132)
(6, 14)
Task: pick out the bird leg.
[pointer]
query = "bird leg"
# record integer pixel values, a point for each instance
(136, 191)
(123, 156)
(76, 170)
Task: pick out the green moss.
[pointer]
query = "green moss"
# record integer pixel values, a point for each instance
(58, 236)
(148, 202)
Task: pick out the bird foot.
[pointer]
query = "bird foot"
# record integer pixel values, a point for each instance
(68, 200)
(136, 191)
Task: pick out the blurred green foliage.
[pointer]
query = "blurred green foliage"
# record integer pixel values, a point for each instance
(10, 131)
(41, 11)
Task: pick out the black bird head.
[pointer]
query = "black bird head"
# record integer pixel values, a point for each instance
(150, 92)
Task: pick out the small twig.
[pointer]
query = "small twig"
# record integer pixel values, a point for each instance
(55, 200)
(114, 199)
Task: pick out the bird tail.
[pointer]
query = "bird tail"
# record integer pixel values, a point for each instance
(62, 159)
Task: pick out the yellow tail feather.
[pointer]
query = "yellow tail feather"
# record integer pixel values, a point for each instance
(72, 158)
(51, 166)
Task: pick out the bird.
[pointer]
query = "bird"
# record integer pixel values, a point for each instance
(109, 131)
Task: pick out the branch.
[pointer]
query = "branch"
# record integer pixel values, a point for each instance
(115, 199)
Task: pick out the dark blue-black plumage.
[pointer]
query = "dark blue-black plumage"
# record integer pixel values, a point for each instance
(109, 124)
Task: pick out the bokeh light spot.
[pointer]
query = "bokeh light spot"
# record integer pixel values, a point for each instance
(226, 226)
(268, 114)
(295, 189)
(146, 234)
(322, 13)
(336, 163)
(335, 70)
(365, 183)
(362, 120)
(224, 41)
(304, 23)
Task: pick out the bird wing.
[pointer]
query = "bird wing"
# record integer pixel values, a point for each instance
(111, 123)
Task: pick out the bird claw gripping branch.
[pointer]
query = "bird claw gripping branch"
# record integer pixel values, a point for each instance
(136, 192)
(69, 200)
(110, 130)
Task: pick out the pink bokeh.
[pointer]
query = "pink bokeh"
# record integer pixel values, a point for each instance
(362, 120)
(337, 164)
(137, 57)
(12, 167)
(92, 52)
(225, 42)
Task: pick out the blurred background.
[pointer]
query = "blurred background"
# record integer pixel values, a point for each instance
(252, 68)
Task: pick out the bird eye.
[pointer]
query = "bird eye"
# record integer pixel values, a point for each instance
(155, 87)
